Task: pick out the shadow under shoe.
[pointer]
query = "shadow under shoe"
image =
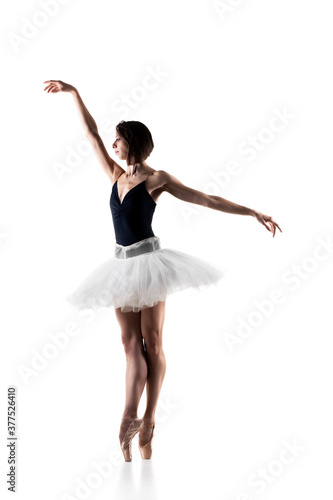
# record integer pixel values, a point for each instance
(126, 442)
(145, 446)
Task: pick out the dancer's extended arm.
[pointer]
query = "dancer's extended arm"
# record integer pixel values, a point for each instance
(172, 185)
(88, 123)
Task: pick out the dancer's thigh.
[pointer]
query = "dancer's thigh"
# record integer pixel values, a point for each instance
(152, 321)
(130, 325)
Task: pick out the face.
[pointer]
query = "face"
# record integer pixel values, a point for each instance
(120, 147)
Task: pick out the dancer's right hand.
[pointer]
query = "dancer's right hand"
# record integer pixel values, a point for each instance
(58, 86)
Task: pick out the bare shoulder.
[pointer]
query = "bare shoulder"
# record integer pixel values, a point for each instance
(170, 184)
(162, 178)
(160, 182)
(167, 180)
(155, 183)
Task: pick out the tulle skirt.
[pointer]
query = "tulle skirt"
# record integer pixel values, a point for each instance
(141, 275)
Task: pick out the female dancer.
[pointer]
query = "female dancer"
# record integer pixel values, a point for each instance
(138, 279)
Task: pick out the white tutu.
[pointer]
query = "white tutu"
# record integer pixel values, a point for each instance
(141, 275)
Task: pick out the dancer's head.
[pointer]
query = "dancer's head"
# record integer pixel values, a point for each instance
(134, 142)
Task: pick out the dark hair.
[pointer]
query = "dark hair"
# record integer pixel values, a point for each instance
(139, 139)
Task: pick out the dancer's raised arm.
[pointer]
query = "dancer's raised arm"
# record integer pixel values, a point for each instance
(172, 185)
(88, 123)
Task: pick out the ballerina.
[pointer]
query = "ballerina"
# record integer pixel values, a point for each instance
(137, 280)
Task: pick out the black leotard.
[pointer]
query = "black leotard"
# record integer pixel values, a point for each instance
(133, 217)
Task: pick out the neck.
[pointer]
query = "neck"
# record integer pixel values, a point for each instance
(136, 168)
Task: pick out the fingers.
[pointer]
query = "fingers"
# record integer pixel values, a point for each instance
(273, 229)
(265, 220)
(270, 228)
(277, 225)
(51, 88)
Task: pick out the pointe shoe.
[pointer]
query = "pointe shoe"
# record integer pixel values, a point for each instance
(146, 449)
(126, 442)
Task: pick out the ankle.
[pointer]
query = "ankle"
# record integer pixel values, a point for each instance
(129, 416)
(148, 420)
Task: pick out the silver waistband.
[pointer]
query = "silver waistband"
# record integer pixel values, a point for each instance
(148, 245)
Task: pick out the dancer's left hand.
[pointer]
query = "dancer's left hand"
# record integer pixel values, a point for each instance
(267, 221)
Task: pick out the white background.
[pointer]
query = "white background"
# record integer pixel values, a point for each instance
(227, 407)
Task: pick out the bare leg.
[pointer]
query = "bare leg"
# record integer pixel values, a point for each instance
(152, 320)
(136, 364)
